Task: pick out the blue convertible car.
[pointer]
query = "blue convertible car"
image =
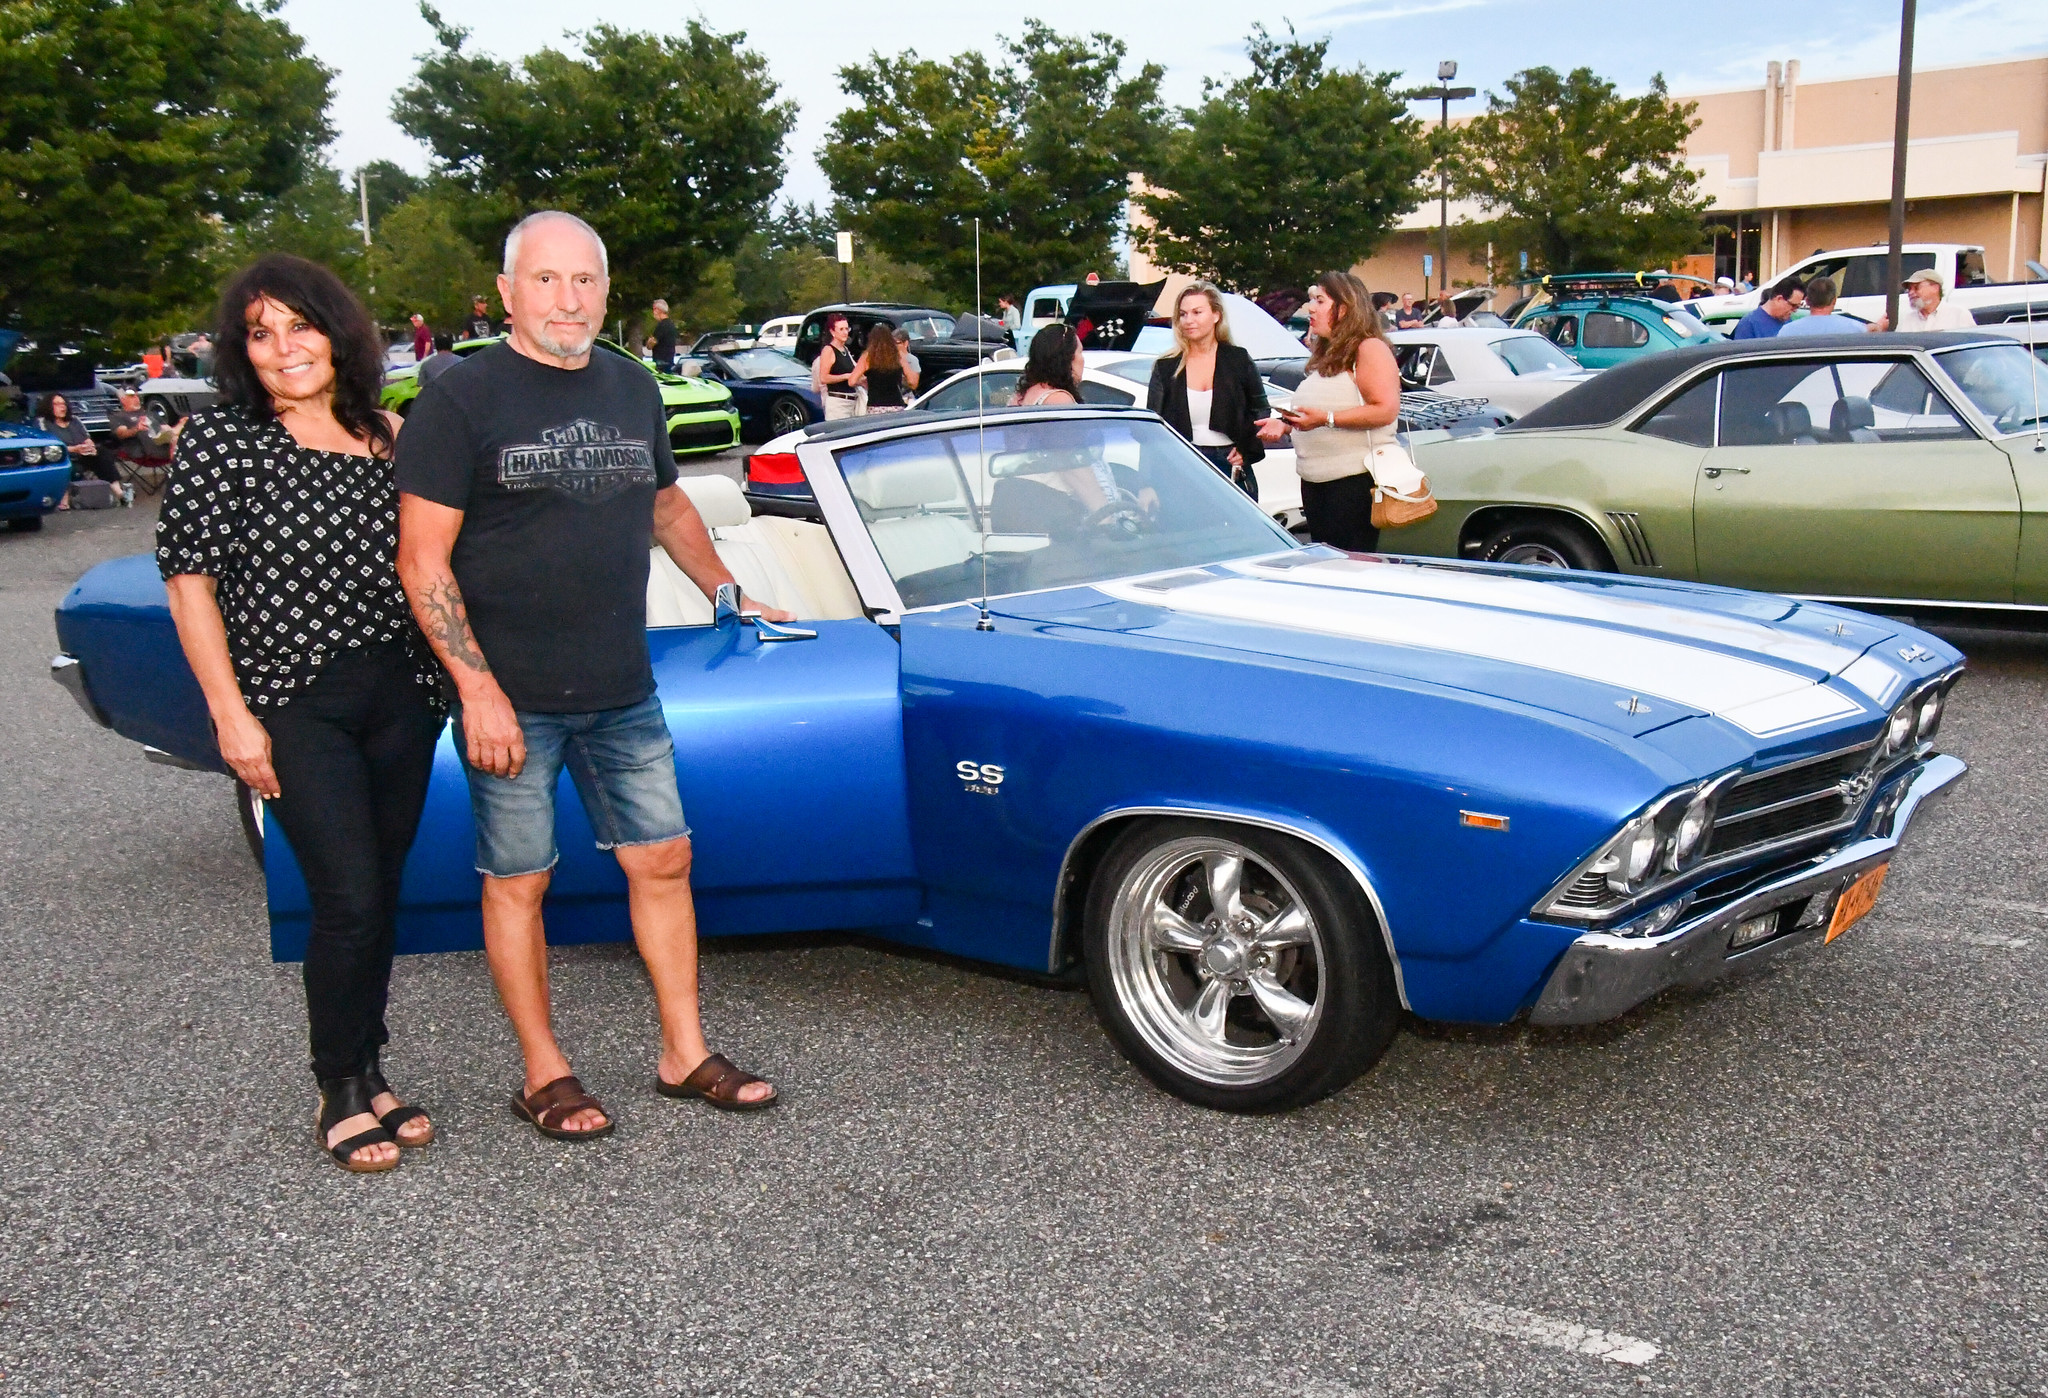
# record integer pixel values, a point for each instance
(1063, 700)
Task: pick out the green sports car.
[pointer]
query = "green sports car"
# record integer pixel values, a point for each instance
(1888, 469)
(701, 416)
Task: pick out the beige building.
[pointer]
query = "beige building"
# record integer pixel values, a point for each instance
(1792, 167)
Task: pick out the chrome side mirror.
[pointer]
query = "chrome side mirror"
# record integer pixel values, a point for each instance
(725, 612)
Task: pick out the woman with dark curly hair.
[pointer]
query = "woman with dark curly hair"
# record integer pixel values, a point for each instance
(276, 543)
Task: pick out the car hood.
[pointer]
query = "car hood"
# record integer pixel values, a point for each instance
(1623, 654)
(681, 391)
(21, 432)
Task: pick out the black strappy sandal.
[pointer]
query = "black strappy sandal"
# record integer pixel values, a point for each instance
(340, 1099)
(397, 1116)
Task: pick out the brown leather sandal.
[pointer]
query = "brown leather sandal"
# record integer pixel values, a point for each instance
(549, 1106)
(719, 1083)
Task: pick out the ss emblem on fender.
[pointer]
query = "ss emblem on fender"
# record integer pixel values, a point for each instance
(981, 778)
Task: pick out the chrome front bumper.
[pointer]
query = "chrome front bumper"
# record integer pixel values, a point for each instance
(69, 673)
(1602, 975)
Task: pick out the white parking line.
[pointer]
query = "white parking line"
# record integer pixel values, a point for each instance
(1556, 1334)
(1997, 941)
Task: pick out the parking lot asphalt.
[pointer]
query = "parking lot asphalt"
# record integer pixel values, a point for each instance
(1823, 1178)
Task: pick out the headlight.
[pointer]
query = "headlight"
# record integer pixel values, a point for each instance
(1930, 713)
(1899, 731)
(1692, 830)
(1659, 846)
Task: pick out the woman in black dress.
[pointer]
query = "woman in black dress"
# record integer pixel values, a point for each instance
(1210, 392)
(276, 543)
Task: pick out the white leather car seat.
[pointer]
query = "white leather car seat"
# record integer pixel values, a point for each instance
(902, 501)
(785, 563)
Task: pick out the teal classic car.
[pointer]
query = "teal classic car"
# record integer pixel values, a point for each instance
(1901, 470)
(701, 416)
(1602, 319)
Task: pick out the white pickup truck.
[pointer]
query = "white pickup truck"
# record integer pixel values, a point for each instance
(1859, 275)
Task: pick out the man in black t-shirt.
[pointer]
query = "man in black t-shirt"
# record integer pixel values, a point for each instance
(664, 339)
(478, 326)
(534, 476)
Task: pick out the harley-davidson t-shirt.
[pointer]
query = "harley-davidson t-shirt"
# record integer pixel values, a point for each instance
(555, 471)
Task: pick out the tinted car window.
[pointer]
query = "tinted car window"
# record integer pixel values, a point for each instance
(1046, 308)
(1688, 417)
(1606, 330)
(1527, 355)
(958, 397)
(1440, 372)
(1102, 393)
(1845, 401)
(1865, 273)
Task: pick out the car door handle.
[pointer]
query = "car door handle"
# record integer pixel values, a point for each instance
(1714, 472)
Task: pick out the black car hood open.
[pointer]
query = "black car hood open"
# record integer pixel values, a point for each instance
(1109, 315)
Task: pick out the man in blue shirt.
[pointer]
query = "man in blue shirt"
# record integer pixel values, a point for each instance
(1767, 320)
(1820, 317)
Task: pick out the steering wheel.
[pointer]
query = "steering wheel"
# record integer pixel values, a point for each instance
(1121, 517)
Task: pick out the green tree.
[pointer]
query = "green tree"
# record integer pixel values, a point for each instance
(670, 147)
(1039, 149)
(316, 218)
(421, 262)
(1581, 177)
(128, 130)
(1287, 172)
(389, 184)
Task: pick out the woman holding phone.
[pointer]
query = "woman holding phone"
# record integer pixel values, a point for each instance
(1346, 406)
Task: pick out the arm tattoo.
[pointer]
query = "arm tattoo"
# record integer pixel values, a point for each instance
(446, 621)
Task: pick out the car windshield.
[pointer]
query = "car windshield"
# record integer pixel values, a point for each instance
(928, 328)
(1530, 354)
(1053, 503)
(1136, 370)
(2008, 385)
(764, 364)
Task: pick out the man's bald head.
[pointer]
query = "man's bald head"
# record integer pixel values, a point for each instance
(550, 219)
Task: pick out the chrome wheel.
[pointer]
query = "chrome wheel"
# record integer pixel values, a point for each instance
(1533, 555)
(1216, 960)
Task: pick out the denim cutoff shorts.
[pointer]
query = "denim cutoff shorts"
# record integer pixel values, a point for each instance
(623, 764)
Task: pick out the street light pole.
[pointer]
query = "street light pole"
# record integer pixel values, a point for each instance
(1445, 95)
(1895, 257)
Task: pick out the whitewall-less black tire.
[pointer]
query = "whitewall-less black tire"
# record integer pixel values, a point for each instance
(1239, 968)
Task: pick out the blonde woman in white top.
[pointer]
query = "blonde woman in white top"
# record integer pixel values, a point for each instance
(1345, 407)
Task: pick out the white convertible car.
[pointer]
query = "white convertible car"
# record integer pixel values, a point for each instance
(1517, 371)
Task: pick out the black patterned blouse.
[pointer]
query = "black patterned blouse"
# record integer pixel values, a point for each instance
(302, 546)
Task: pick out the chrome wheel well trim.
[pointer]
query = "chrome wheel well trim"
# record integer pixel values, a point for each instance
(1060, 910)
(1512, 507)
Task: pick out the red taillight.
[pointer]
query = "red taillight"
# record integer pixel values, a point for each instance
(774, 468)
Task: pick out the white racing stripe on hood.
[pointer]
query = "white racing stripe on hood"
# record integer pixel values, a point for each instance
(1550, 599)
(1759, 698)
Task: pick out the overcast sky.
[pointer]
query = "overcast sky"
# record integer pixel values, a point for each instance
(372, 44)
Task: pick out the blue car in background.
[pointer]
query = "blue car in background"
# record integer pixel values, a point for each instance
(771, 391)
(35, 471)
(1602, 319)
(1062, 699)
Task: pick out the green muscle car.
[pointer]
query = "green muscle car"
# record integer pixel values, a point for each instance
(701, 416)
(1864, 468)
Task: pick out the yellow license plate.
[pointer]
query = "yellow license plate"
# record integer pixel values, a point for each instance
(1856, 900)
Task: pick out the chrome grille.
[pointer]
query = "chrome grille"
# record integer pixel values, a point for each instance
(1588, 890)
(1790, 801)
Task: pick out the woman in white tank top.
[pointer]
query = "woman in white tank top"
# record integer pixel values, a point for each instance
(1346, 406)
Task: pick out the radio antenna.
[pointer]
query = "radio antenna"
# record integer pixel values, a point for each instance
(981, 506)
(2034, 367)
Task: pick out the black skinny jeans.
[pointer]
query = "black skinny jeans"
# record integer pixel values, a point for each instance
(353, 752)
(1339, 513)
